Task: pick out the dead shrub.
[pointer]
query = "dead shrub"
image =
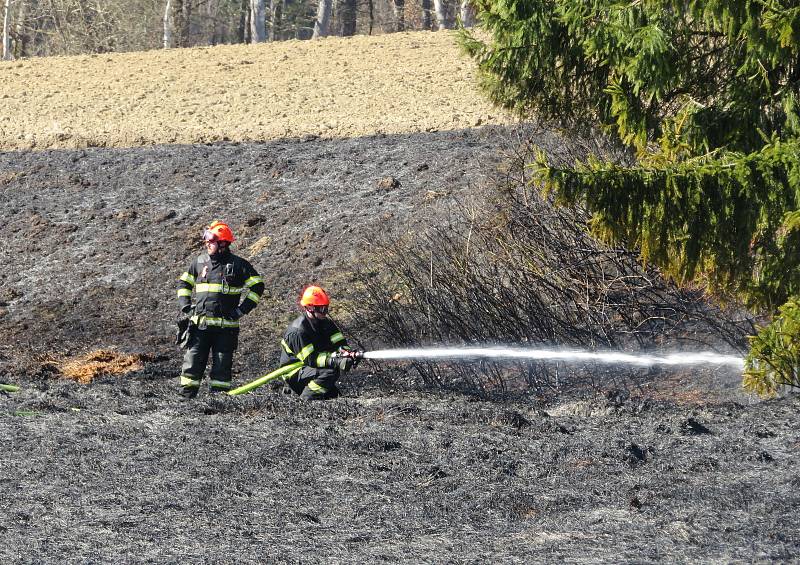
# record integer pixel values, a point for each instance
(514, 269)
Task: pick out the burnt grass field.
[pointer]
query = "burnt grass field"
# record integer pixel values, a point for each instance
(101, 463)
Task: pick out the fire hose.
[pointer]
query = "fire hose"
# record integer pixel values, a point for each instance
(355, 356)
(8, 388)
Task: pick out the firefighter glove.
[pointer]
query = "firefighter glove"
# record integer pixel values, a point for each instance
(341, 362)
(236, 314)
(345, 364)
(183, 333)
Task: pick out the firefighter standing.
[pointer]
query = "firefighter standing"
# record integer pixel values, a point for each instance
(315, 340)
(218, 278)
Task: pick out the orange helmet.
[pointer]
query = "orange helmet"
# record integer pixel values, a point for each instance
(218, 230)
(314, 296)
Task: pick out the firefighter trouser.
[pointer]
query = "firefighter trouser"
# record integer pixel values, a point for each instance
(314, 384)
(220, 343)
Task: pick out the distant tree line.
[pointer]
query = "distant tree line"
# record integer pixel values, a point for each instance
(70, 27)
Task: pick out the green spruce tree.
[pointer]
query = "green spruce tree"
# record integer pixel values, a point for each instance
(705, 95)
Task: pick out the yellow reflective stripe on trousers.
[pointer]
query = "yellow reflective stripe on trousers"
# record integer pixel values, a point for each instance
(220, 384)
(337, 337)
(315, 388)
(305, 352)
(215, 322)
(185, 292)
(253, 296)
(217, 288)
(252, 281)
(322, 359)
(188, 381)
(187, 278)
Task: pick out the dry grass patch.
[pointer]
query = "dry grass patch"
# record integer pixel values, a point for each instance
(258, 246)
(99, 363)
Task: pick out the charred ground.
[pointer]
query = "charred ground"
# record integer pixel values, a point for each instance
(119, 471)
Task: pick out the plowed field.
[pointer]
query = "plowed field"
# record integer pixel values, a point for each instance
(391, 84)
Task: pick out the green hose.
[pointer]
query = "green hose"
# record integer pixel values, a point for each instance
(266, 378)
(8, 388)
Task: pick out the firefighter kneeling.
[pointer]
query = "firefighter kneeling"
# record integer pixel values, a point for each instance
(316, 341)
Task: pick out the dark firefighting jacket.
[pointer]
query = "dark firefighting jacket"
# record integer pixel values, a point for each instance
(218, 284)
(310, 343)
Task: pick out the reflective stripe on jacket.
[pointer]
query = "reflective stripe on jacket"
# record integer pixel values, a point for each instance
(311, 343)
(218, 284)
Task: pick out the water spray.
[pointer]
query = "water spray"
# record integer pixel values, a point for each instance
(564, 355)
(519, 354)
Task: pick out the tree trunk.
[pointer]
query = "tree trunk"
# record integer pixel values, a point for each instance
(323, 18)
(467, 13)
(181, 9)
(6, 36)
(186, 32)
(217, 27)
(244, 22)
(441, 18)
(399, 7)
(346, 17)
(275, 15)
(20, 30)
(168, 25)
(258, 24)
(426, 14)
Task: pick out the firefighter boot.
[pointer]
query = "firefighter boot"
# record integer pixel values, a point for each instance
(189, 387)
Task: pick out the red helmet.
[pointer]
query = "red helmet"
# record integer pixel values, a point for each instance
(314, 296)
(218, 231)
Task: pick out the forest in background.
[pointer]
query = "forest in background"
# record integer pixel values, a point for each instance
(34, 28)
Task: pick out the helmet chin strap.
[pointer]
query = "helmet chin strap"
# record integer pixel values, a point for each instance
(312, 318)
(222, 248)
